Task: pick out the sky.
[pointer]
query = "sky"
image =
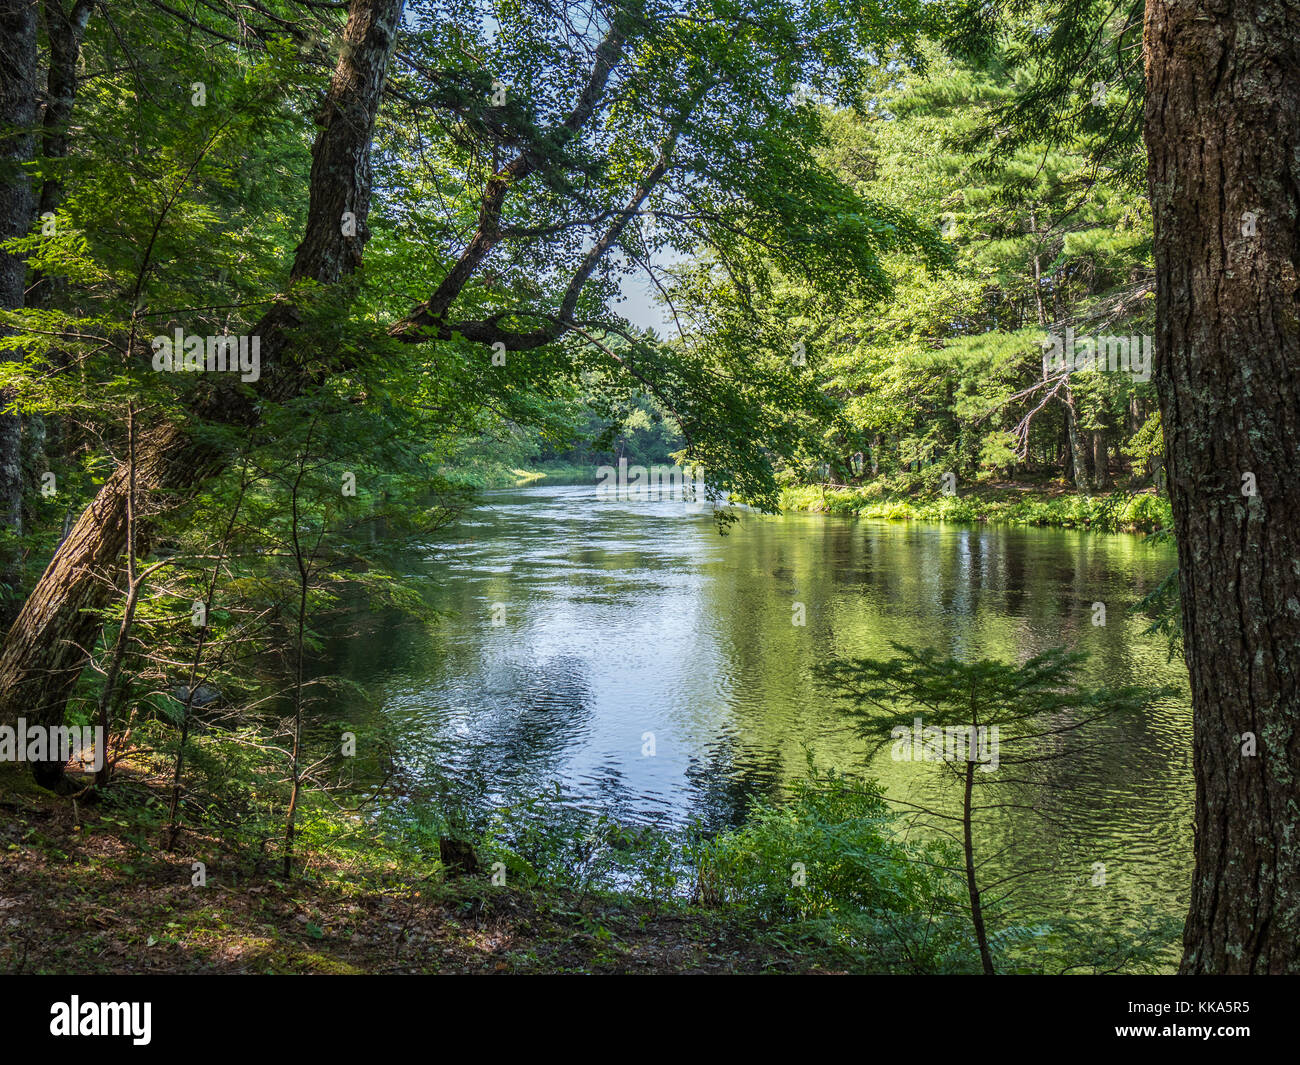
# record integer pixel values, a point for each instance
(639, 305)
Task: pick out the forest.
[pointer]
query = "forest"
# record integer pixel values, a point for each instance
(649, 486)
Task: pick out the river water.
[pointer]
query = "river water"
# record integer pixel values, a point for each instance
(579, 630)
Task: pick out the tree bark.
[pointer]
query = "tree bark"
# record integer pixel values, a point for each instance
(1078, 454)
(65, 31)
(18, 67)
(1223, 136)
(1100, 461)
(49, 642)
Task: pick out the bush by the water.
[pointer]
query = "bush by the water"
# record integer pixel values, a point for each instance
(1117, 512)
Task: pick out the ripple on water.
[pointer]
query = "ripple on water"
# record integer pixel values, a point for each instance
(632, 618)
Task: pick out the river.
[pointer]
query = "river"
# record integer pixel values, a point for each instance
(652, 667)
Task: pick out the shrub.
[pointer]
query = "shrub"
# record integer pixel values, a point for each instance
(828, 861)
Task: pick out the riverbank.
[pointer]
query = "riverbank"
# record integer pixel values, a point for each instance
(1041, 504)
(993, 504)
(818, 883)
(488, 477)
(85, 888)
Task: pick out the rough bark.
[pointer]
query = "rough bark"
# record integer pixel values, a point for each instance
(49, 642)
(66, 30)
(1223, 136)
(18, 68)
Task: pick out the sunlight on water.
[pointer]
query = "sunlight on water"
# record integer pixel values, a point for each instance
(622, 622)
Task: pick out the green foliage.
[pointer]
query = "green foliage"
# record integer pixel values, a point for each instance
(1017, 698)
(829, 849)
(828, 862)
(1163, 604)
(862, 278)
(947, 373)
(1118, 512)
(993, 730)
(1079, 63)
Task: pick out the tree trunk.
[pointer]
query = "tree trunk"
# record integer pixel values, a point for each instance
(18, 66)
(47, 645)
(972, 887)
(1078, 454)
(1223, 135)
(66, 30)
(1100, 461)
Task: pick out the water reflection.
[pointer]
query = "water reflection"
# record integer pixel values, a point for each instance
(623, 626)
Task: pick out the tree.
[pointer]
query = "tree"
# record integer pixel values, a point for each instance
(18, 75)
(994, 728)
(1224, 170)
(1218, 117)
(953, 363)
(684, 107)
(45, 651)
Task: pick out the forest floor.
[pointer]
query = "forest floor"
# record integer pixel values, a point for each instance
(86, 889)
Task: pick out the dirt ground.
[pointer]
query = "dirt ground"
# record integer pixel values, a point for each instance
(82, 891)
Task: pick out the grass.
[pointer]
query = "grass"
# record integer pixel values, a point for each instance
(817, 882)
(86, 889)
(988, 504)
(488, 477)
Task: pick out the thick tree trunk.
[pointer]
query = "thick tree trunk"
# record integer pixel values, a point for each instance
(18, 69)
(65, 30)
(48, 644)
(58, 623)
(1223, 134)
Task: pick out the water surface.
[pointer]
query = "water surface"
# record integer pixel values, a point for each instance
(580, 629)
